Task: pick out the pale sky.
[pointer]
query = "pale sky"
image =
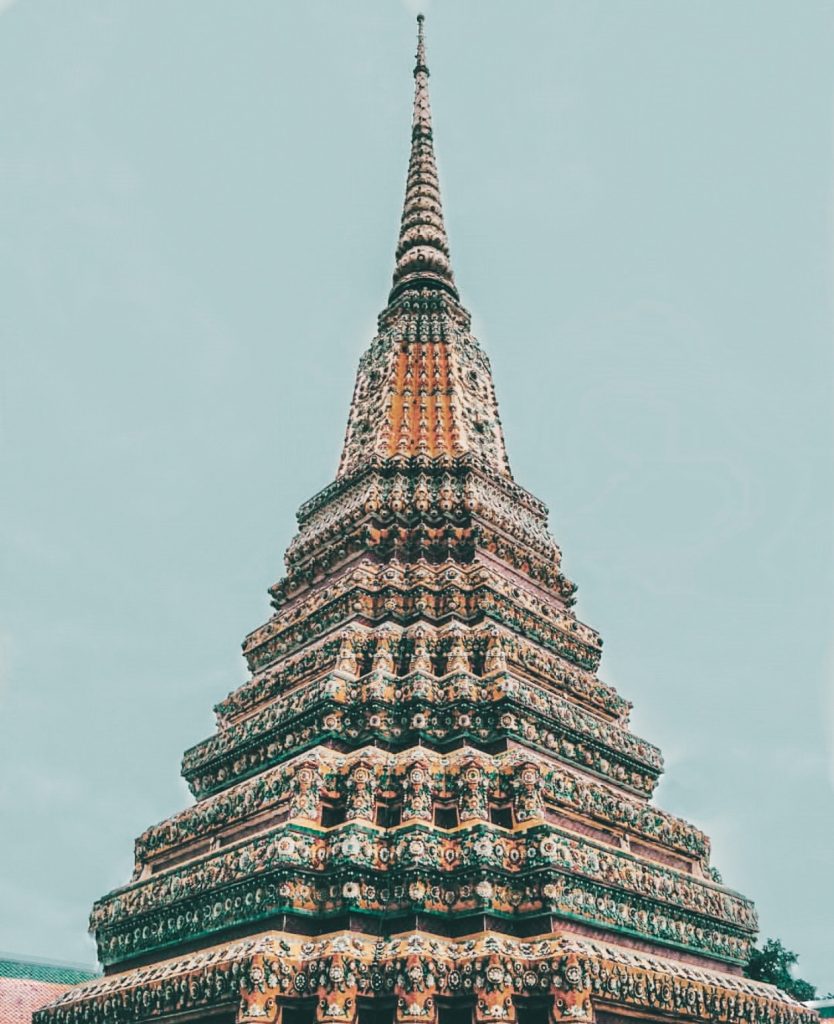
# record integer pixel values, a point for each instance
(198, 209)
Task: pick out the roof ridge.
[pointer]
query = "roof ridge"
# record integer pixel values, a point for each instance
(27, 968)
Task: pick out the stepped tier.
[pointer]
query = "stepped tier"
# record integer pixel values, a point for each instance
(430, 508)
(412, 978)
(424, 806)
(485, 646)
(371, 593)
(416, 784)
(488, 711)
(446, 857)
(416, 872)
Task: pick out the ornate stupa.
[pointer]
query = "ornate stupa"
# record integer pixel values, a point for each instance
(424, 806)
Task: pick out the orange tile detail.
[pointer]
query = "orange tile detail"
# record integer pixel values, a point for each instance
(420, 419)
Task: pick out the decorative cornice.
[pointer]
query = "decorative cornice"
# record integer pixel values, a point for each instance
(527, 657)
(526, 780)
(417, 708)
(271, 968)
(305, 873)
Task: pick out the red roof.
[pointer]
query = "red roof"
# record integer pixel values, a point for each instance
(27, 985)
(20, 997)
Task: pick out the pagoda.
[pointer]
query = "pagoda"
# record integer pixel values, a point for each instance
(424, 806)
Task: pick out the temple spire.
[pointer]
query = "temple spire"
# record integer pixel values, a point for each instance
(423, 248)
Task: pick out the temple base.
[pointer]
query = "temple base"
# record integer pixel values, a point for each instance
(416, 978)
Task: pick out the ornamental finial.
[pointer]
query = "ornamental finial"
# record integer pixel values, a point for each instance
(423, 248)
(421, 47)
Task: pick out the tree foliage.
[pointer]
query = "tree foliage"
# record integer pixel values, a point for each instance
(774, 964)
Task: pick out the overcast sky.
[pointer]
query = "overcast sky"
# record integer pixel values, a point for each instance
(198, 209)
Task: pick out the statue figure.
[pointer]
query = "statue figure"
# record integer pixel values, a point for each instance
(458, 659)
(527, 791)
(472, 792)
(346, 662)
(373, 500)
(495, 659)
(360, 799)
(420, 657)
(422, 496)
(305, 789)
(383, 660)
(417, 795)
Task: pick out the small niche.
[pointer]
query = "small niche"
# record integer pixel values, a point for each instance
(501, 814)
(455, 1014)
(298, 1013)
(389, 815)
(374, 1014)
(446, 816)
(332, 814)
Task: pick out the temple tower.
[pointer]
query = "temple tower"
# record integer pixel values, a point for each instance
(424, 806)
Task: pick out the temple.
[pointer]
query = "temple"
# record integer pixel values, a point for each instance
(424, 806)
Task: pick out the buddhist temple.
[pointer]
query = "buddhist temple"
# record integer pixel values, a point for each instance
(424, 806)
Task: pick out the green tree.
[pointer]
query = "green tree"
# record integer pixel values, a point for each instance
(774, 964)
